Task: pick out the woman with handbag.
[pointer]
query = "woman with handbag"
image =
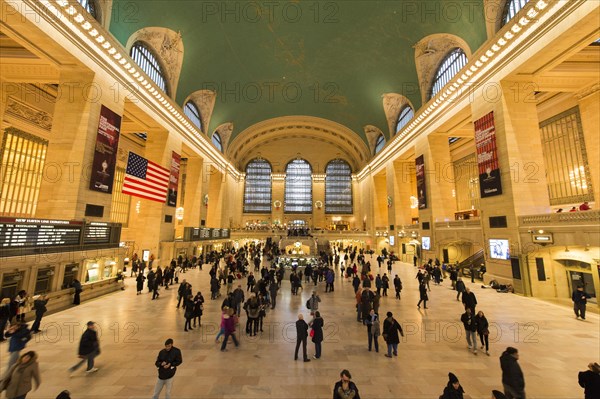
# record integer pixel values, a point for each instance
(316, 333)
(483, 331)
(189, 312)
(198, 308)
(17, 384)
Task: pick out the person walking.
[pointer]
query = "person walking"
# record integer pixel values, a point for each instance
(470, 324)
(189, 313)
(139, 280)
(453, 389)
(89, 348)
(273, 288)
(512, 375)
(397, 286)
(460, 288)
(19, 377)
(391, 328)
(483, 331)
(385, 284)
(167, 361)
(316, 325)
(423, 297)
(469, 300)
(313, 302)
(580, 298)
(229, 329)
(344, 388)
(4, 316)
(590, 381)
(373, 330)
(301, 337)
(19, 335)
(39, 305)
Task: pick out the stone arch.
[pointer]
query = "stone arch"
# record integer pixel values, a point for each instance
(393, 103)
(168, 46)
(205, 101)
(225, 130)
(373, 133)
(430, 52)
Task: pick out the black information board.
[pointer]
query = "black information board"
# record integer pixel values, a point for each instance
(96, 233)
(25, 233)
(203, 234)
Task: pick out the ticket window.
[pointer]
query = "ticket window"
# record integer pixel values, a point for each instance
(70, 275)
(11, 284)
(92, 272)
(43, 282)
(109, 270)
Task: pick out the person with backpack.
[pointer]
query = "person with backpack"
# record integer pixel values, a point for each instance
(313, 303)
(39, 305)
(373, 330)
(397, 286)
(460, 288)
(391, 328)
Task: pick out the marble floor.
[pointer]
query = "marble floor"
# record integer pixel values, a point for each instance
(553, 347)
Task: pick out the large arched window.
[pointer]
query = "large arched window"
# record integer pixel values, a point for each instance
(90, 7)
(216, 140)
(193, 113)
(145, 58)
(257, 192)
(338, 187)
(511, 9)
(298, 187)
(452, 64)
(406, 114)
(380, 143)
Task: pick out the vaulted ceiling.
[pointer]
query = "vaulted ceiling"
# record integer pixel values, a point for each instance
(326, 59)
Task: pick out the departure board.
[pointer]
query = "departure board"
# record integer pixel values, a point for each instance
(25, 233)
(96, 233)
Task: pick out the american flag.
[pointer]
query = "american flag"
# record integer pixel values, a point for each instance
(145, 179)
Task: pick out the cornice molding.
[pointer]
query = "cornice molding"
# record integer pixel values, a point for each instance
(28, 114)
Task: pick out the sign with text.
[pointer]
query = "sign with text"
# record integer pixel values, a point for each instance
(487, 156)
(421, 187)
(174, 179)
(105, 153)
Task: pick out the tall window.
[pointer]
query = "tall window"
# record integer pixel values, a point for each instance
(145, 58)
(22, 160)
(452, 64)
(216, 140)
(121, 203)
(380, 143)
(298, 187)
(565, 158)
(512, 8)
(406, 114)
(466, 183)
(257, 192)
(193, 113)
(338, 187)
(90, 7)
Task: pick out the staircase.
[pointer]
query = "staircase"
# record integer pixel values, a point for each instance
(476, 260)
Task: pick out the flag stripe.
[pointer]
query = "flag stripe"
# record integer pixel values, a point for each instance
(131, 186)
(150, 185)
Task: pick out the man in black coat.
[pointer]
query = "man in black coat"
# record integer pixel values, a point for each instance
(470, 323)
(469, 300)
(39, 305)
(390, 331)
(273, 288)
(301, 337)
(167, 361)
(89, 348)
(580, 298)
(344, 387)
(512, 376)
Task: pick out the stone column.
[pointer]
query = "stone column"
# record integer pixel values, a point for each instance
(318, 215)
(589, 101)
(193, 192)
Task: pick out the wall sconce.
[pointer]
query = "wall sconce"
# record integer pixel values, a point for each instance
(179, 213)
(138, 207)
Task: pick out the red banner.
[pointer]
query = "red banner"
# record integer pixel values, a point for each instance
(105, 154)
(487, 156)
(174, 179)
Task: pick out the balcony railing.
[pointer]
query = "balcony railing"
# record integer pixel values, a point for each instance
(579, 217)
(459, 224)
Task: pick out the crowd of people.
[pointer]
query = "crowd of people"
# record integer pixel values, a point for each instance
(252, 277)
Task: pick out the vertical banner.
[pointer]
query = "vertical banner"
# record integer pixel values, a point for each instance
(487, 156)
(105, 154)
(421, 188)
(174, 179)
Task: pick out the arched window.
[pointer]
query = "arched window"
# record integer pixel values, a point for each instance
(216, 140)
(145, 58)
(380, 143)
(298, 187)
(193, 113)
(512, 8)
(406, 114)
(452, 64)
(257, 192)
(338, 187)
(90, 7)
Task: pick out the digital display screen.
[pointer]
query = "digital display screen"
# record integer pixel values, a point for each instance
(426, 243)
(27, 233)
(96, 233)
(499, 249)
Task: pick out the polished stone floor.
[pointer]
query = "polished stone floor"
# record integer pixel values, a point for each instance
(553, 347)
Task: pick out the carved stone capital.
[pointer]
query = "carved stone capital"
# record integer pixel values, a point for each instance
(28, 114)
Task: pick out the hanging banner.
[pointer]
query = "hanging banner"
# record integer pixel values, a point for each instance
(421, 188)
(487, 157)
(174, 179)
(105, 154)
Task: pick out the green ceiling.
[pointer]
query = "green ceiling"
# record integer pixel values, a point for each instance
(329, 59)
